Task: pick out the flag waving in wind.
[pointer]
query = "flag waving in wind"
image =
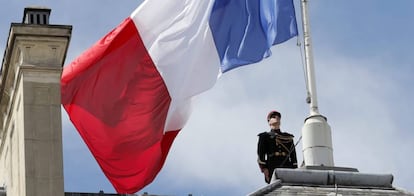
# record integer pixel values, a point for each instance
(130, 94)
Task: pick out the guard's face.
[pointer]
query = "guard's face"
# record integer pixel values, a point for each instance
(274, 121)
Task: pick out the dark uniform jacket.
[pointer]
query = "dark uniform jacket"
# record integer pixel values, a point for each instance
(275, 150)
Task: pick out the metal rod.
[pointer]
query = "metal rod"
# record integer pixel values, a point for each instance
(309, 59)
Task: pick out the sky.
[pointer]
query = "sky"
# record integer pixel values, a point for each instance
(364, 66)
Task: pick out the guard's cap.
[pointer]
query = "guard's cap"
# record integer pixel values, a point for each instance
(273, 113)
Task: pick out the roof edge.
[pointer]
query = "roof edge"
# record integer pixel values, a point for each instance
(267, 189)
(332, 177)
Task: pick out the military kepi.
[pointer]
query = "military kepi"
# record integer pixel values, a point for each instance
(273, 113)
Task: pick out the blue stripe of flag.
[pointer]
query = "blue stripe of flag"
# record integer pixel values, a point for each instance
(244, 30)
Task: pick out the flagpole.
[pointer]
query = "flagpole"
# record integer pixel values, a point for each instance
(312, 99)
(316, 132)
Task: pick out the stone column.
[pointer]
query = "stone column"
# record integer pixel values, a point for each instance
(31, 155)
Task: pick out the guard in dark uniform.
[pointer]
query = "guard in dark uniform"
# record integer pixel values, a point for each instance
(275, 149)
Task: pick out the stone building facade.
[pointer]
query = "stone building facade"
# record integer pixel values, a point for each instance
(31, 158)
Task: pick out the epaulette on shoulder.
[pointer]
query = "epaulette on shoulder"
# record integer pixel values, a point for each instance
(286, 134)
(262, 134)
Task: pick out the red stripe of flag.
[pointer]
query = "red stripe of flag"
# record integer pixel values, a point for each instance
(118, 102)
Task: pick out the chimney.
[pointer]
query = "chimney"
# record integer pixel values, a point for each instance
(36, 15)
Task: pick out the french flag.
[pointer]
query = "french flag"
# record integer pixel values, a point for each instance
(130, 94)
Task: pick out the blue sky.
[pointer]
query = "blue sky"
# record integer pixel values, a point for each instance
(365, 71)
